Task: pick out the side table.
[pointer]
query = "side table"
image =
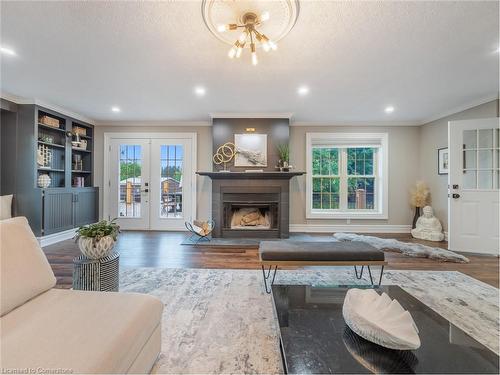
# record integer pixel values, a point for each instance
(96, 274)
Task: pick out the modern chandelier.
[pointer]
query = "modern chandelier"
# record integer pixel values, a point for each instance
(249, 36)
(246, 24)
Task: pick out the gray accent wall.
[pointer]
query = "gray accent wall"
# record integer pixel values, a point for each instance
(433, 136)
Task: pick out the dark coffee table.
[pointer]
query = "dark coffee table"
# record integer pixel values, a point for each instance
(315, 339)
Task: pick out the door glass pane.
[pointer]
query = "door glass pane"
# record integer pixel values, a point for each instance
(485, 179)
(469, 179)
(469, 137)
(485, 138)
(485, 159)
(172, 158)
(470, 159)
(130, 181)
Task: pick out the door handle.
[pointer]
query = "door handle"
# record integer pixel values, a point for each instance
(455, 196)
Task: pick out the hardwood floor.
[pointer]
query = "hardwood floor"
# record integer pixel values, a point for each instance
(164, 249)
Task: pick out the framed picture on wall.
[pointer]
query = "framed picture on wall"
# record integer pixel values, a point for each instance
(443, 160)
(251, 150)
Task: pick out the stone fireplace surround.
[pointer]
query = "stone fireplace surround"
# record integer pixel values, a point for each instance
(265, 190)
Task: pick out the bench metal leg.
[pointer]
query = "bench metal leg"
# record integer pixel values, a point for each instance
(267, 285)
(360, 274)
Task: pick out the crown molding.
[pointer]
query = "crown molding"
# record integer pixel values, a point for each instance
(355, 123)
(463, 107)
(20, 100)
(287, 115)
(154, 123)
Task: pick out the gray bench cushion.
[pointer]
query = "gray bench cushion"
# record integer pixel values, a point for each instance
(319, 251)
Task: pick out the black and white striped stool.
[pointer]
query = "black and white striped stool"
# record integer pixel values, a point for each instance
(97, 274)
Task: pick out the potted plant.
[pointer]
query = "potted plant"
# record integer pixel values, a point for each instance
(284, 155)
(97, 240)
(419, 197)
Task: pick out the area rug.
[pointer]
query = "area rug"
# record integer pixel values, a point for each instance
(222, 321)
(409, 249)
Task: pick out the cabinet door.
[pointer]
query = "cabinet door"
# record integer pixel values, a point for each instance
(57, 211)
(86, 207)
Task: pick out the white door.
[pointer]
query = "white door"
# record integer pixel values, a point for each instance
(473, 180)
(171, 183)
(129, 183)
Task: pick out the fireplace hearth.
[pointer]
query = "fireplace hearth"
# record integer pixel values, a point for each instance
(250, 204)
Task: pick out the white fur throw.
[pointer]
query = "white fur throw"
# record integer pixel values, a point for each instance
(410, 249)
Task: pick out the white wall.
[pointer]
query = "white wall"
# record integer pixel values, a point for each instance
(434, 136)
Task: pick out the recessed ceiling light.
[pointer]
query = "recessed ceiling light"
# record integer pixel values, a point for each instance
(115, 109)
(200, 91)
(389, 109)
(7, 51)
(303, 90)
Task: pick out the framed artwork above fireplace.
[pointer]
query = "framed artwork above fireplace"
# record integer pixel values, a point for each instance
(251, 150)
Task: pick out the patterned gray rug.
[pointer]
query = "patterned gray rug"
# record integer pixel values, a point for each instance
(221, 321)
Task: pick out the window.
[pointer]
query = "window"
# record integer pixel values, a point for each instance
(347, 175)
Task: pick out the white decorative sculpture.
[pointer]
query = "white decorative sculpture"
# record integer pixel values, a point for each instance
(379, 319)
(428, 226)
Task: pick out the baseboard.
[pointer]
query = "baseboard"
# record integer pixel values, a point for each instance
(375, 228)
(56, 237)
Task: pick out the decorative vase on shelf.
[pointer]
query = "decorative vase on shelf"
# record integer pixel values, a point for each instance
(44, 180)
(95, 249)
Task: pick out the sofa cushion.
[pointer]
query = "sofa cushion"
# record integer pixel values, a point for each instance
(5, 207)
(79, 331)
(25, 271)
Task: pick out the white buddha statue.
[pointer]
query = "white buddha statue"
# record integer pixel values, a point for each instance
(428, 226)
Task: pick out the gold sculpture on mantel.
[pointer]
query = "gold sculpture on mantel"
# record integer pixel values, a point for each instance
(224, 155)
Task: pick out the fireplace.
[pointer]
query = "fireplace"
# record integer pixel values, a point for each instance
(250, 204)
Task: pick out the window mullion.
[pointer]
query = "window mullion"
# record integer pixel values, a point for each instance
(343, 179)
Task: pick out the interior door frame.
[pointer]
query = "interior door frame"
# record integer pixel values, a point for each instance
(147, 135)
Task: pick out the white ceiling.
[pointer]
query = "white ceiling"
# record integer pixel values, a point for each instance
(424, 58)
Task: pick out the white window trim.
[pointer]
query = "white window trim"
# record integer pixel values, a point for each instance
(382, 181)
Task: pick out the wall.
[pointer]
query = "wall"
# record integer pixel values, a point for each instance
(434, 135)
(403, 172)
(277, 130)
(204, 158)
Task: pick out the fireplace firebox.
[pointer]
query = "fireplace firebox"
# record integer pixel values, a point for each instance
(250, 204)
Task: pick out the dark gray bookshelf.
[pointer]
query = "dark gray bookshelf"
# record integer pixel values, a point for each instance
(62, 205)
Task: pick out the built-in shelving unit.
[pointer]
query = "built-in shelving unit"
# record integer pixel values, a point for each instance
(81, 154)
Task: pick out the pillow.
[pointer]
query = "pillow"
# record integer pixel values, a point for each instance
(24, 270)
(5, 207)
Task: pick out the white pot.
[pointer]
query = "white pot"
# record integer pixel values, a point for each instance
(96, 249)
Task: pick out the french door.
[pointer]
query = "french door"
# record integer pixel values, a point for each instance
(474, 172)
(151, 183)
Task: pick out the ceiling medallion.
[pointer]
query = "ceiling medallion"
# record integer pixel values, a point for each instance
(260, 23)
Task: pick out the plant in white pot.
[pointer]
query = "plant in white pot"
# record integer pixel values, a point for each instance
(97, 240)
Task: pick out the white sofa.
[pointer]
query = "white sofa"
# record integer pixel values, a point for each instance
(43, 329)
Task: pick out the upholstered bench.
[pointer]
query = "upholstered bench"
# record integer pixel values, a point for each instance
(295, 253)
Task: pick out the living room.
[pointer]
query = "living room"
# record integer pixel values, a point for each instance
(259, 186)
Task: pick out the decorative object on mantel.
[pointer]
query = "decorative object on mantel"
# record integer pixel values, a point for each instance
(224, 155)
(415, 250)
(251, 150)
(252, 22)
(443, 161)
(428, 226)
(284, 157)
(419, 197)
(97, 240)
(380, 319)
(44, 180)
